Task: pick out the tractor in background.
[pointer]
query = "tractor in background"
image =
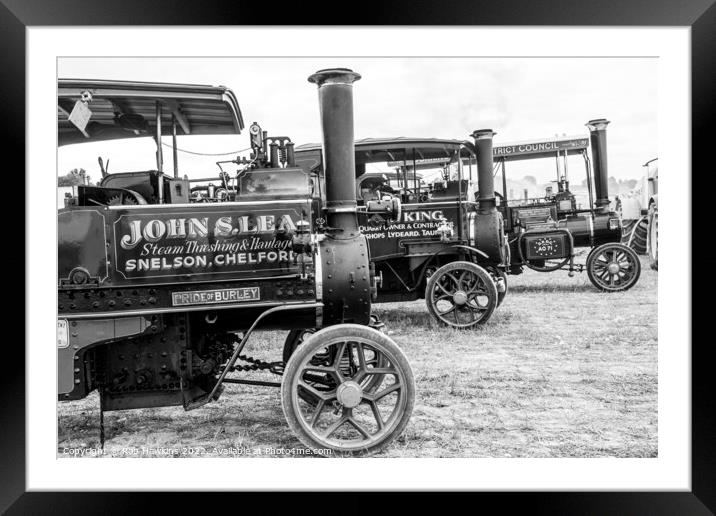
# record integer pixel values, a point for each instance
(651, 195)
(640, 215)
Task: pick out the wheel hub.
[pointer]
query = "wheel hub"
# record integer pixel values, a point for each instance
(613, 268)
(459, 297)
(349, 394)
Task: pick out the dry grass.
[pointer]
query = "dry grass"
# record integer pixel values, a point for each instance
(560, 370)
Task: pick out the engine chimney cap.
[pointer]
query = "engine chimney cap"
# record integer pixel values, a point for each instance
(597, 124)
(334, 76)
(480, 134)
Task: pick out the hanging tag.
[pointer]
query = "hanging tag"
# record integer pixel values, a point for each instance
(81, 113)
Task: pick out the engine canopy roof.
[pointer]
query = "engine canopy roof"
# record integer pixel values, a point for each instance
(127, 109)
(399, 152)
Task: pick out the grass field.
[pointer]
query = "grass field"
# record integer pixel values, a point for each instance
(561, 370)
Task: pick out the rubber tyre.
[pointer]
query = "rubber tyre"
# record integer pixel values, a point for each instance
(639, 242)
(319, 340)
(633, 257)
(652, 242)
(481, 273)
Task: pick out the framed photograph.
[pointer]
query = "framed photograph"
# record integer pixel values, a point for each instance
(434, 246)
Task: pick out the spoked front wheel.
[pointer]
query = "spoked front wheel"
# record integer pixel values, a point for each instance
(297, 337)
(328, 407)
(613, 267)
(461, 295)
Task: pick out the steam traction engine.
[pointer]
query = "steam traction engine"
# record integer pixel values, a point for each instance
(161, 284)
(445, 243)
(544, 232)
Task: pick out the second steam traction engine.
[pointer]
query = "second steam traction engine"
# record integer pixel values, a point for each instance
(163, 279)
(446, 245)
(545, 232)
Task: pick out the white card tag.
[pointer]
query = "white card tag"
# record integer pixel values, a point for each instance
(80, 116)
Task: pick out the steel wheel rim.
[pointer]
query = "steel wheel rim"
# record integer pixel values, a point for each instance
(328, 401)
(614, 268)
(453, 284)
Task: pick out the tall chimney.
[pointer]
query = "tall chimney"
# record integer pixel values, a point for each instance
(485, 180)
(335, 98)
(598, 139)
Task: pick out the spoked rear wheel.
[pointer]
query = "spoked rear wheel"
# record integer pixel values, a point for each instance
(461, 295)
(329, 408)
(613, 267)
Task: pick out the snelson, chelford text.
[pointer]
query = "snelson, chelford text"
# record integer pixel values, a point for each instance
(197, 243)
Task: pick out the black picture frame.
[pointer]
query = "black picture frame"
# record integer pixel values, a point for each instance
(700, 15)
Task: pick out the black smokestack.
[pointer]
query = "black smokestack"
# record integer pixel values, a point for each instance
(335, 97)
(485, 180)
(598, 139)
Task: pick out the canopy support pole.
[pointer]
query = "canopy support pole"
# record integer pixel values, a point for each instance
(174, 147)
(504, 181)
(416, 186)
(160, 156)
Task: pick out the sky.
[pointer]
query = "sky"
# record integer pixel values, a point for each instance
(519, 98)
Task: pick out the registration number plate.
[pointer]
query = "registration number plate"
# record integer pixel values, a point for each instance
(545, 247)
(221, 295)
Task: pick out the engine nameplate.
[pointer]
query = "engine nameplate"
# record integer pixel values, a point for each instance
(221, 295)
